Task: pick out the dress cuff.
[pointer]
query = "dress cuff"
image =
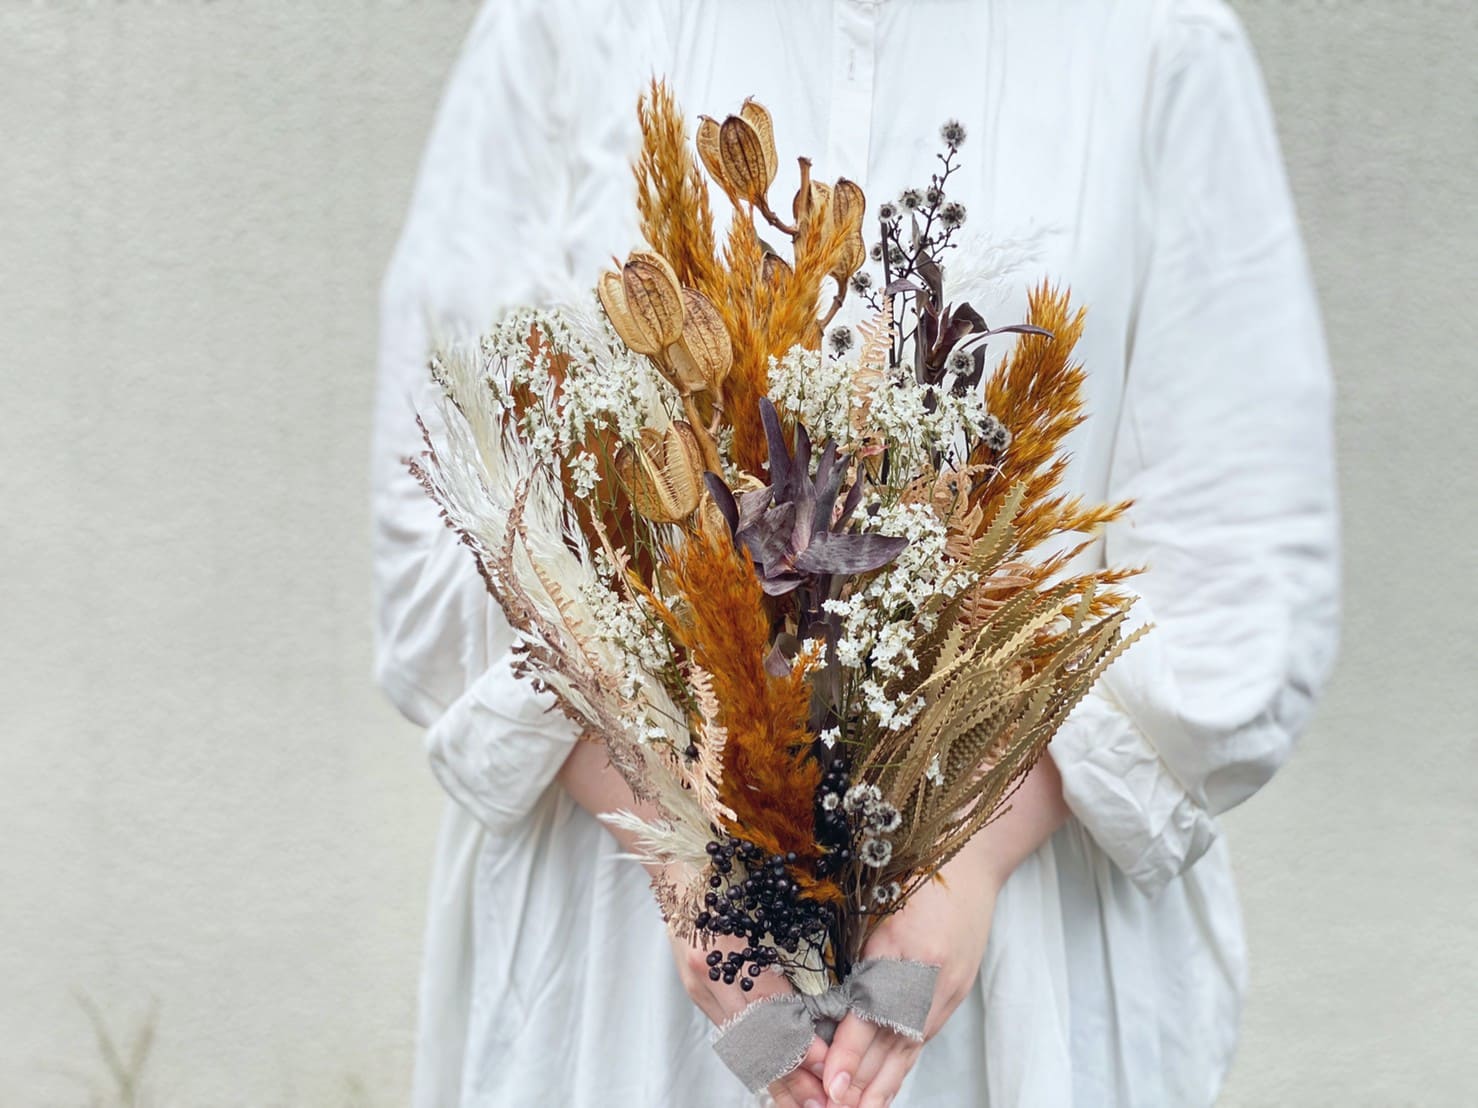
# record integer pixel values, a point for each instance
(1122, 792)
(498, 747)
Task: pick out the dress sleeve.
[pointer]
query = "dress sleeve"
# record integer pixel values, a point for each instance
(1226, 448)
(489, 228)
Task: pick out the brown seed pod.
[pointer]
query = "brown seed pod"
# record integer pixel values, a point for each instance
(644, 302)
(740, 152)
(701, 358)
(663, 472)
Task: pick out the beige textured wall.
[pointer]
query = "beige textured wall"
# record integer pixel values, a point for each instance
(204, 803)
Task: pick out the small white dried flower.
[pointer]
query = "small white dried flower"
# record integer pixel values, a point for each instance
(876, 852)
(887, 894)
(861, 798)
(933, 773)
(995, 434)
(884, 817)
(584, 473)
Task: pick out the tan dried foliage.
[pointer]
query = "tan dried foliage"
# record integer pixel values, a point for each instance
(996, 692)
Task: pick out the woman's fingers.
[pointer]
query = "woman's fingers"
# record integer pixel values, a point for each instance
(801, 1088)
(849, 1044)
(867, 1069)
(889, 1078)
(814, 1062)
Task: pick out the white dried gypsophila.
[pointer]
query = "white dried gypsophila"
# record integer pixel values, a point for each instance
(605, 385)
(830, 801)
(881, 621)
(585, 473)
(830, 736)
(817, 391)
(917, 422)
(933, 773)
(614, 388)
(631, 629)
(887, 709)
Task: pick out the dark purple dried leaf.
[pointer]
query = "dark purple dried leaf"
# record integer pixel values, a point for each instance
(845, 553)
(727, 506)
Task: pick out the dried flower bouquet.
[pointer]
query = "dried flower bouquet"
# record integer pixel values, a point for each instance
(795, 580)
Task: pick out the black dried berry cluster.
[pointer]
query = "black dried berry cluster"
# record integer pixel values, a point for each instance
(764, 907)
(834, 829)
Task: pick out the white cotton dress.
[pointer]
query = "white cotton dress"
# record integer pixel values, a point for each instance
(1122, 147)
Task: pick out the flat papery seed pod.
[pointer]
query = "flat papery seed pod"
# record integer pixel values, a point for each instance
(849, 204)
(612, 292)
(758, 116)
(706, 340)
(707, 141)
(810, 198)
(663, 473)
(848, 210)
(653, 296)
(709, 516)
(744, 162)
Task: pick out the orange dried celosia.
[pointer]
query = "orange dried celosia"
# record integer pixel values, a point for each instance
(770, 777)
(1038, 392)
(672, 197)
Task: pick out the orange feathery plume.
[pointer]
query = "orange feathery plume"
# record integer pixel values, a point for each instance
(672, 197)
(770, 777)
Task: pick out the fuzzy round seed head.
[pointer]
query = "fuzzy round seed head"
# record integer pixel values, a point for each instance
(876, 852)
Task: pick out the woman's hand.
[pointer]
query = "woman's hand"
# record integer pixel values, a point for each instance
(596, 786)
(801, 1088)
(946, 923)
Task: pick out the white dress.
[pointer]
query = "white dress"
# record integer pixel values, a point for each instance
(1122, 147)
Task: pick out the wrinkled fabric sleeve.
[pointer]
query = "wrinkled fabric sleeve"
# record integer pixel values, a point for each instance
(486, 232)
(1225, 447)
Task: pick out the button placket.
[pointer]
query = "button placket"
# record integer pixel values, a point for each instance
(854, 63)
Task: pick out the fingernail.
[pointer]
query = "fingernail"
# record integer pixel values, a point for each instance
(812, 1104)
(839, 1086)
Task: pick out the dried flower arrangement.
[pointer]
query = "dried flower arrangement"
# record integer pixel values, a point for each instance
(794, 581)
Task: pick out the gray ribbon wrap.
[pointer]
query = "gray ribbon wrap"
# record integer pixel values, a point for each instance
(768, 1039)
